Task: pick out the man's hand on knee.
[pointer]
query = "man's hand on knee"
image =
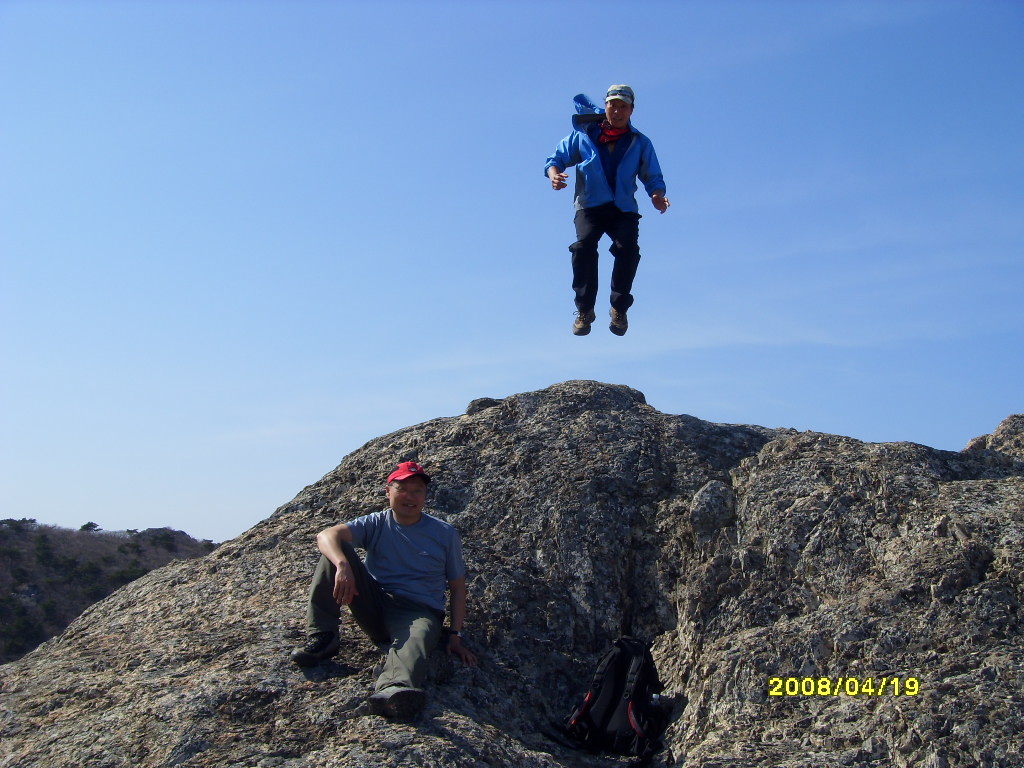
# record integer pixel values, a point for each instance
(344, 584)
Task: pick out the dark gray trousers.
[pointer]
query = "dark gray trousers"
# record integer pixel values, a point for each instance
(409, 630)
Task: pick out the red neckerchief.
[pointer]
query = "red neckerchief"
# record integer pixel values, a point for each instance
(609, 134)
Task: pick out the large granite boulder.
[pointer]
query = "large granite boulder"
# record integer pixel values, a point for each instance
(744, 554)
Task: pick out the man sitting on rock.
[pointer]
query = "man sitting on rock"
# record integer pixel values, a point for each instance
(397, 596)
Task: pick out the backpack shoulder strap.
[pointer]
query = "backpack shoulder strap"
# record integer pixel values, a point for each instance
(602, 668)
(636, 667)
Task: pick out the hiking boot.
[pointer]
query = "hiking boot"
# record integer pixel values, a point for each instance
(619, 322)
(581, 327)
(398, 703)
(319, 646)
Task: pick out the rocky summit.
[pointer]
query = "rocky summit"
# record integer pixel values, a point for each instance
(812, 600)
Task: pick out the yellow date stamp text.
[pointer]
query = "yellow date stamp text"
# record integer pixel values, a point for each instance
(843, 686)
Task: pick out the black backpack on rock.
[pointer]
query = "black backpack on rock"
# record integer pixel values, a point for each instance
(620, 713)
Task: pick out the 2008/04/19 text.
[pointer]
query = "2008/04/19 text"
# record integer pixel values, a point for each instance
(850, 686)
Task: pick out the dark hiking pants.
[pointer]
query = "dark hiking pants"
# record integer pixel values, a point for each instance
(623, 229)
(409, 630)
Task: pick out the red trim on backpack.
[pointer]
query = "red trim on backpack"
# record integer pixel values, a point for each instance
(633, 722)
(586, 703)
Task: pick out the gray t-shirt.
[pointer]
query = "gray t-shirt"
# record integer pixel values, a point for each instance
(415, 561)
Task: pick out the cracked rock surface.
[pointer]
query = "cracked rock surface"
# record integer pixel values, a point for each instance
(744, 554)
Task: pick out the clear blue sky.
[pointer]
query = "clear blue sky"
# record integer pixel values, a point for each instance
(240, 239)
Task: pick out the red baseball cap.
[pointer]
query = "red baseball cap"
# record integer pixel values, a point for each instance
(408, 469)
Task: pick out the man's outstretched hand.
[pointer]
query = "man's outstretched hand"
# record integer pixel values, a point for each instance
(660, 202)
(557, 178)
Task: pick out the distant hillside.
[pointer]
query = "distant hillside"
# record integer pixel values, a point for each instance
(49, 575)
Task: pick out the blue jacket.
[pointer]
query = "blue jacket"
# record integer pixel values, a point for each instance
(579, 149)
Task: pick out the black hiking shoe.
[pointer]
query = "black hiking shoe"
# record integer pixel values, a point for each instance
(319, 646)
(581, 326)
(398, 703)
(619, 322)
